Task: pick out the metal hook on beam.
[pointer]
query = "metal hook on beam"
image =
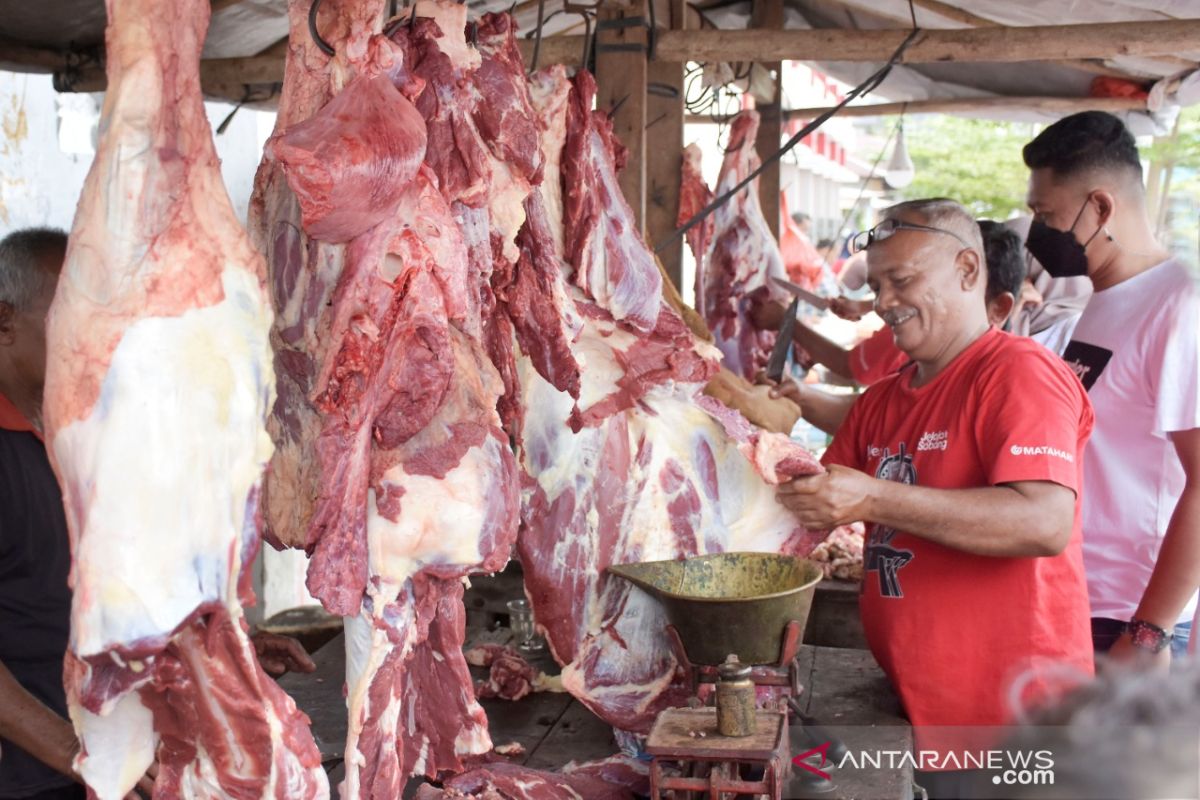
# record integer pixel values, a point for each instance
(324, 46)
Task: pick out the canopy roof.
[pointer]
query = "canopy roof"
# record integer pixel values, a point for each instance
(51, 34)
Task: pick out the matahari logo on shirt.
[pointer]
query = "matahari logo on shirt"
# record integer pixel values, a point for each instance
(1042, 450)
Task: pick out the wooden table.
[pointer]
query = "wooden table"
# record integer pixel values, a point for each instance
(844, 691)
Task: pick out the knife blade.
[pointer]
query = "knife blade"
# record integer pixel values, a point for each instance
(814, 300)
(783, 343)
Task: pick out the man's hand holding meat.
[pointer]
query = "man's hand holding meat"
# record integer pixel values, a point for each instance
(838, 496)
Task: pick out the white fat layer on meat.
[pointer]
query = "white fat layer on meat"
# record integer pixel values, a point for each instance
(452, 19)
(120, 745)
(506, 205)
(595, 351)
(439, 521)
(200, 780)
(285, 239)
(548, 93)
(473, 739)
(171, 451)
(744, 516)
(367, 647)
(422, 757)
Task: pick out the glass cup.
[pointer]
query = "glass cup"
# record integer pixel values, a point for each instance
(523, 628)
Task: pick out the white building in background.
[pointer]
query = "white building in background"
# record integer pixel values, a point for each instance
(816, 176)
(47, 141)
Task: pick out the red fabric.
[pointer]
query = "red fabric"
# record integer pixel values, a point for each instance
(954, 630)
(1107, 86)
(876, 357)
(801, 258)
(13, 420)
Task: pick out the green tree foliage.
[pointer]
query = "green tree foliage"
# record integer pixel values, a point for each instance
(975, 161)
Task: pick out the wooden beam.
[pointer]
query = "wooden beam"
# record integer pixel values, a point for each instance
(664, 128)
(1160, 38)
(768, 15)
(19, 57)
(959, 105)
(1157, 39)
(963, 17)
(621, 90)
(1007, 45)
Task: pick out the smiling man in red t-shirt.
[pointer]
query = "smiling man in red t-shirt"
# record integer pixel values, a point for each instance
(967, 467)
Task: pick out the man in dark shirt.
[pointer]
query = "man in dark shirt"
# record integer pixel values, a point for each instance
(37, 743)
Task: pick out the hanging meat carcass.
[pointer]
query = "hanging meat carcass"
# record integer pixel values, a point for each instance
(158, 386)
(390, 439)
(742, 258)
(637, 468)
(694, 196)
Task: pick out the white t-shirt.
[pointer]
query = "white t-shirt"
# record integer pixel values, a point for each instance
(1056, 337)
(1137, 350)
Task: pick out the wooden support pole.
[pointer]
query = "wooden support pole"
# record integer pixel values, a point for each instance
(664, 155)
(768, 14)
(621, 89)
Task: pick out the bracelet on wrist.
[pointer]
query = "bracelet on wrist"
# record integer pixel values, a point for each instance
(1147, 636)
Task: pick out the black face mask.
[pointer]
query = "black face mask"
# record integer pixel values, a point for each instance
(1059, 252)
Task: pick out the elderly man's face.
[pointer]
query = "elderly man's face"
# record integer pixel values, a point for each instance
(23, 338)
(918, 289)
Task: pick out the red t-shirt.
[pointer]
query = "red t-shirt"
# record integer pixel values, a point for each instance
(954, 630)
(12, 420)
(876, 357)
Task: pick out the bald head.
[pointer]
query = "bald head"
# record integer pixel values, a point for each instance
(944, 214)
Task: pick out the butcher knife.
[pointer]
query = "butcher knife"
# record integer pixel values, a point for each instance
(814, 300)
(783, 343)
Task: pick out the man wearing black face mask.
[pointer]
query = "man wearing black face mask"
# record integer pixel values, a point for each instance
(1137, 350)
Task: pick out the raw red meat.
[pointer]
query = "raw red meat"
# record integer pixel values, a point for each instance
(649, 474)
(510, 676)
(694, 195)
(775, 457)
(483, 148)
(158, 385)
(501, 781)
(303, 272)
(742, 258)
(369, 142)
(611, 263)
(412, 483)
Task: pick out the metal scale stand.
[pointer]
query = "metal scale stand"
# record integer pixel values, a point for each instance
(699, 598)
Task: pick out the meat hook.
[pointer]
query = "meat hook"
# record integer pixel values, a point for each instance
(324, 46)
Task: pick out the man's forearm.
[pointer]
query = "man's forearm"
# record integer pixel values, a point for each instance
(1030, 520)
(1177, 571)
(29, 724)
(833, 356)
(823, 409)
